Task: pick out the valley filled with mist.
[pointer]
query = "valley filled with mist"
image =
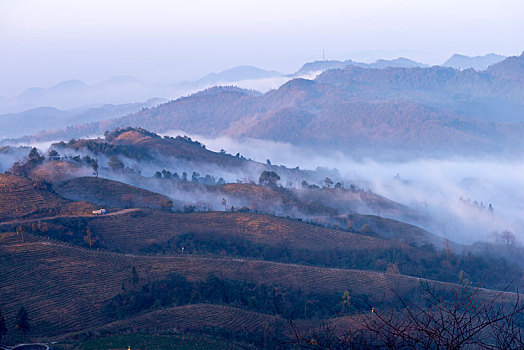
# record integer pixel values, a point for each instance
(341, 205)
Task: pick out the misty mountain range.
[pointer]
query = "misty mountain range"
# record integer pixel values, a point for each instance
(126, 89)
(398, 103)
(45, 118)
(421, 109)
(319, 66)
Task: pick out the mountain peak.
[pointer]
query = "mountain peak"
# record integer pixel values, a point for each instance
(237, 74)
(478, 63)
(69, 84)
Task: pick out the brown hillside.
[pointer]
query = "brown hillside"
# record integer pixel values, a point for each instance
(130, 137)
(63, 287)
(347, 201)
(393, 229)
(23, 198)
(58, 171)
(267, 198)
(196, 317)
(110, 193)
(137, 231)
(137, 143)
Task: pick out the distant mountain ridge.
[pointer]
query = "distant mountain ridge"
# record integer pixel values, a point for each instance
(428, 109)
(400, 62)
(416, 108)
(478, 63)
(48, 118)
(236, 74)
(127, 89)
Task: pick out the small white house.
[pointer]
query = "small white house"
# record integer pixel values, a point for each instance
(99, 212)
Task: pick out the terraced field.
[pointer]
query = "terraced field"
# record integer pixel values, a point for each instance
(21, 197)
(109, 193)
(63, 287)
(138, 230)
(196, 317)
(271, 199)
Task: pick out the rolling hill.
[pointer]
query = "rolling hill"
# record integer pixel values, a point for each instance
(141, 230)
(110, 193)
(89, 277)
(23, 198)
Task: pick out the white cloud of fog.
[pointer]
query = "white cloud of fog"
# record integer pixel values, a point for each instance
(266, 84)
(444, 190)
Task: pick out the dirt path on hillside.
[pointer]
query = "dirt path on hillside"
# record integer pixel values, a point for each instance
(24, 221)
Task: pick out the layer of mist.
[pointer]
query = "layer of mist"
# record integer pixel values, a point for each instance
(455, 194)
(463, 199)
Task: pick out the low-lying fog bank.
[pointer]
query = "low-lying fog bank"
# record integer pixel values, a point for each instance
(467, 199)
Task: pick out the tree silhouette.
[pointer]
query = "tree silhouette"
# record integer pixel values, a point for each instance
(89, 238)
(53, 155)
(445, 318)
(35, 156)
(346, 301)
(21, 232)
(22, 321)
(3, 327)
(268, 178)
(94, 165)
(328, 182)
(508, 238)
(135, 278)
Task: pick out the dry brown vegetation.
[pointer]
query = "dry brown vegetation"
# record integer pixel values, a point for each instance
(110, 193)
(197, 317)
(22, 198)
(64, 286)
(138, 230)
(268, 198)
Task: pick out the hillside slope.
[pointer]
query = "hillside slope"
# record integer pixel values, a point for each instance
(22, 198)
(89, 277)
(110, 193)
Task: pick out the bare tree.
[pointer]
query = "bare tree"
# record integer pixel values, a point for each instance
(446, 318)
(508, 238)
(21, 232)
(89, 238)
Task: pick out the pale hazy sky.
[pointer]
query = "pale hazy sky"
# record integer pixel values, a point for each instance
(43, 42)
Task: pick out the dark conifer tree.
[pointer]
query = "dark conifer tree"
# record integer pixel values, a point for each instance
(3, 327)
(22, 321)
